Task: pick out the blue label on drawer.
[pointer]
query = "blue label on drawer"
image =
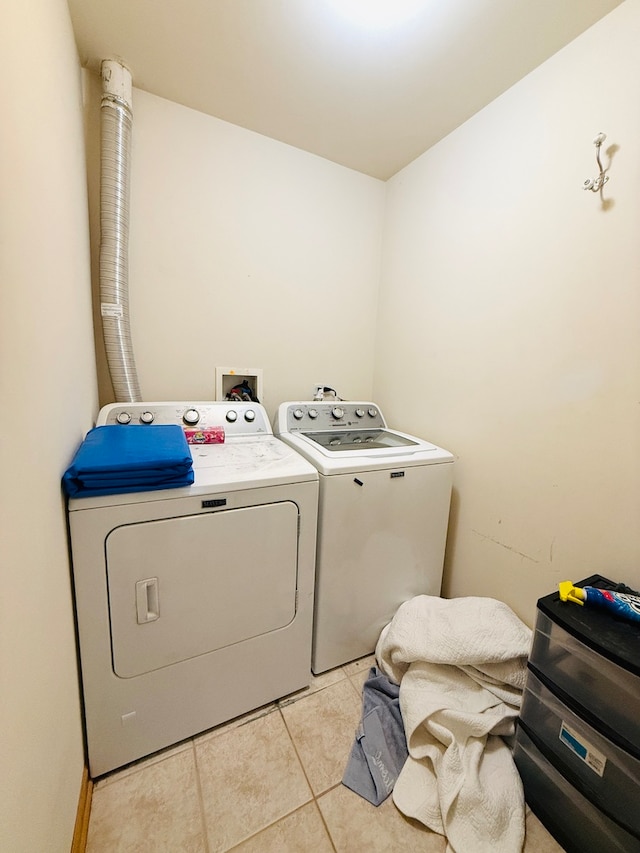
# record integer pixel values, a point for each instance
(592, 757)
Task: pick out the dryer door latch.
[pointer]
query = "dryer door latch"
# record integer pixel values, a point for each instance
(147, 602)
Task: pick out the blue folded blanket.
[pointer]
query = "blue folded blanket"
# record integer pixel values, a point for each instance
(115, 459)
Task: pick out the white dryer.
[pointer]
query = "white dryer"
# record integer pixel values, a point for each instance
(194, 604)
(382, 520)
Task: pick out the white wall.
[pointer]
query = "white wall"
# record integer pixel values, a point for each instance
(508, 328)
(506, 319)
(49, 397)
(509, 301)
(247, 252)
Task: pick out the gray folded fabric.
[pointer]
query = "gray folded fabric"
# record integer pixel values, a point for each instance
(380, 747)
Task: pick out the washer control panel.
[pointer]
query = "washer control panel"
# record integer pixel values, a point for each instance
(329, 415)
(235, 418)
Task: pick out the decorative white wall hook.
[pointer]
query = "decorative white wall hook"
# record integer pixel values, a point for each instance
(596, 184)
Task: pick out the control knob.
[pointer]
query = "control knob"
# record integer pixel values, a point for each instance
(250, 415)
(147, 418)
(360, 413)
(191, 417)
(337, 412)
(232, 416)
(313, 413)
(372, 412)
(123, 418)
(298, 414)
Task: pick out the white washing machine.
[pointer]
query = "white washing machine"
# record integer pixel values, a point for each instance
(382, 520)
(194, 604)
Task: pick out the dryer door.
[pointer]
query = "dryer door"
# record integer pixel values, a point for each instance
(182, 587)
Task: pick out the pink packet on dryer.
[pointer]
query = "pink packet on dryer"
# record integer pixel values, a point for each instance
(207, 435)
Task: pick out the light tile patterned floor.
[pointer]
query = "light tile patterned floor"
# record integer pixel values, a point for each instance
(268, 782)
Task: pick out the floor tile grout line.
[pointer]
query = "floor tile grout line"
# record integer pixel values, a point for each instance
(357, 688)
(203, 819)
(286, 814)
(298, 756)
(275, 823)
(313, 793)
(325, 824)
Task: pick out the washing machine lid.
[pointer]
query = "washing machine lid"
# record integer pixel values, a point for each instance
(402, 451)
(359, 440)
(351, 436)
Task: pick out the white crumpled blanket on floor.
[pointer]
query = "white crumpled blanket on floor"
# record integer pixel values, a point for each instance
(461, 666)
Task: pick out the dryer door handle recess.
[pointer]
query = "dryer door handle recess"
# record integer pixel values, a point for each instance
(147, 602)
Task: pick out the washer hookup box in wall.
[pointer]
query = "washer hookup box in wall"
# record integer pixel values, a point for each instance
(228, 378)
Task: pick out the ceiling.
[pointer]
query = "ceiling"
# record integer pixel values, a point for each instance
(305, 73)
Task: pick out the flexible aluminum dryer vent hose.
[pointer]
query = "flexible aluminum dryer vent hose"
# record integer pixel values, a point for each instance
(116, 126)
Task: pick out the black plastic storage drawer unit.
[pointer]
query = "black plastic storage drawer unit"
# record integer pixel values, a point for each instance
(570, 817)
(602, 771)
(578, 738)
(594, 658)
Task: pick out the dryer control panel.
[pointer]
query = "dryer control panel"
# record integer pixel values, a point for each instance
(305, 416)
(237, 419)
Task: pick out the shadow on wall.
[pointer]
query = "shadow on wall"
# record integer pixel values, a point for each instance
(452, 534)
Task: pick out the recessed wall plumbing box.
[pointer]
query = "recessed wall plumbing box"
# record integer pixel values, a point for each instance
(228, 377)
